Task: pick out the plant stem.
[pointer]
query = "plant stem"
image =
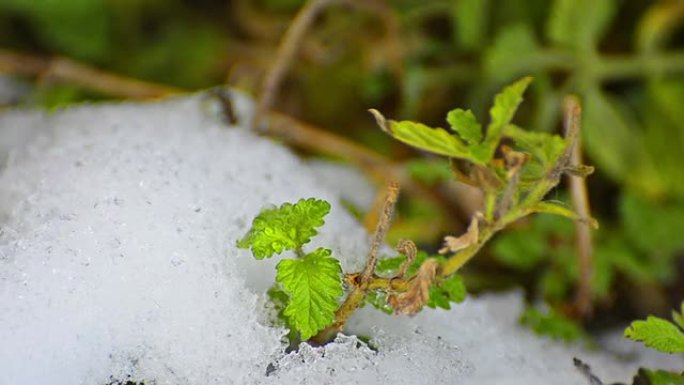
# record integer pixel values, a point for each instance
(285, 55)
(380, 231)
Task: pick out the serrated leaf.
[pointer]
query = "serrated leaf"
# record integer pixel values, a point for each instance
(313, 284)
(579, 24)
(451, 289)
(505, 105)
(464, 123)
(287, 227)
(435, 140)
(658, 334)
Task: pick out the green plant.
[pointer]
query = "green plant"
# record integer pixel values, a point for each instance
(312, 281)
(660, 334)
(514, 180)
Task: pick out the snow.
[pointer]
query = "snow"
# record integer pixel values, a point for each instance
(118, 225)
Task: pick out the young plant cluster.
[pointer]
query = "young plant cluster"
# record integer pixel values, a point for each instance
(514, 168)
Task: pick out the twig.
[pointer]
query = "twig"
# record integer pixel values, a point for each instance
(409, 249)
(286, 52)
(362, 282)
(578, 191)
(69, 71)
(380, 231)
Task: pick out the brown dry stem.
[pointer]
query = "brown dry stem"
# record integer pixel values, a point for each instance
(578, 192)
(286, 52)
(64, 70)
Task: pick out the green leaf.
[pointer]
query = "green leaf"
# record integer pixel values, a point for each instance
(379, 300)
(545, 148)
(619, 156)
(651, 225)
(505, 105)
(548, 207)
(552, 324)
(470, 20)
(660, 377)
(435, 140)
(287, 227)
(464, 123)
(579, 24)
(313, 284)
(503, 60)
(388, 265)
(658, 334)
(451, 289)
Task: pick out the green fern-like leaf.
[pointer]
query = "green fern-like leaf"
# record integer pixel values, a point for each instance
(287, 227)
(313, 285)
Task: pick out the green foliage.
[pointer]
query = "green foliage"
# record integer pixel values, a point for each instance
(468, 144)
(309, 285)
(79, 28)
(505, 105)
(661, 377)
(470, 19)
(658, 333)
(653, 226)
(313, 285)
(287, 227)
(579, 23)
(442, 294)
(429, 171)
(465, 125)
(552, 324)
(435, 140)
(449, 290)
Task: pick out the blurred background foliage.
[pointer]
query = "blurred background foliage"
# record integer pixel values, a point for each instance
(416, 59)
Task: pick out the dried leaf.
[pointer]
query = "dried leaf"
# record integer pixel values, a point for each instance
(418, 293)
(454, 244)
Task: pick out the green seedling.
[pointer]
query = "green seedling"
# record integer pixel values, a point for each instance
(515, 170)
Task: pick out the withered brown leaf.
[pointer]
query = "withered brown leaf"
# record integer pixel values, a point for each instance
(454, 244)
(418, 292)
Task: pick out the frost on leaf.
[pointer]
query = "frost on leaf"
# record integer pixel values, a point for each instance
(313, 284)
(658, 334)
(287, 227)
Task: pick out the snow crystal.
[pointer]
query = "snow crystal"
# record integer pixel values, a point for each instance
(118, 226)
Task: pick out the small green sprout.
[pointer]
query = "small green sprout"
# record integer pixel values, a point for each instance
(312, 281)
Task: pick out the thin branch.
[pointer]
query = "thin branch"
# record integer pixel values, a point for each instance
(578, 191)
(65, 70)
(285, 55)
(380, 231)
